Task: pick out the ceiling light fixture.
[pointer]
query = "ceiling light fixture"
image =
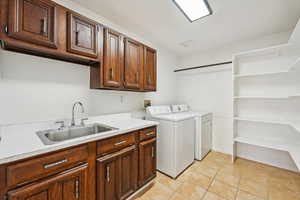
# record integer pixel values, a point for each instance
(194, 9)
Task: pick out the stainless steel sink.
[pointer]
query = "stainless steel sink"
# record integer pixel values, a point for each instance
(53, 136)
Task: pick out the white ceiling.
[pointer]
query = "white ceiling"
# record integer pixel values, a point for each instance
(232, 21)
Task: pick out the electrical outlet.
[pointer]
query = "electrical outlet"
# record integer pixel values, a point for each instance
(121, 99)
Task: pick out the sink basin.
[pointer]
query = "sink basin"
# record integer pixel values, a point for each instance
(53, 136)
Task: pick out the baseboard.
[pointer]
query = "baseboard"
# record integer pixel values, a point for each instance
(141, 190)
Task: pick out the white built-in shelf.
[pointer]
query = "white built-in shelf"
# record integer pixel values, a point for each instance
(295, 154)
(292, 149)
(295, 66)
(273, 58)
(265, 51)
(295, 124)
(262, 97)
(250, 119)
(260, 74)
(261, 142)
(268, 97)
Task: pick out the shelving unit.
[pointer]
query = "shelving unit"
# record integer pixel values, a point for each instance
(268, 97)
(292, 149)
(260, 74)
(295, 66)
(260, 78)
(293, 124)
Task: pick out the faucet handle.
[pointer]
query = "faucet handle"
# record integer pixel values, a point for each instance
(82, 121)
(62, 124)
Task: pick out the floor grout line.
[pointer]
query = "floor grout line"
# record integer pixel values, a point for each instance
(217, 167)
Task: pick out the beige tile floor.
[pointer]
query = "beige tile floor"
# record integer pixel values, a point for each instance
(216, 178)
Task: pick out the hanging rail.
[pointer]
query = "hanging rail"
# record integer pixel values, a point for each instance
(203, 66)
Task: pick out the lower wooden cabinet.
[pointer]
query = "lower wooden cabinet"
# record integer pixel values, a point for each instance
(147, 161)
(117, 174)
(70, 185)
(109, 169)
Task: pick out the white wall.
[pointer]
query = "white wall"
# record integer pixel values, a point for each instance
(211, 90)
(34, 88)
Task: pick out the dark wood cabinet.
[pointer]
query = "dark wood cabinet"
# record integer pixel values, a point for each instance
(133, 64)
(128, 172)
(47, 29)
(113, 59)
(117, 174)
(70, 185)
(149, 69)
(113, 168)
(82, 35)
(33, 21)
(107, 178)
(147, 161)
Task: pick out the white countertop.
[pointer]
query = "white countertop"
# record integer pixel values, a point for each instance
(21, 141)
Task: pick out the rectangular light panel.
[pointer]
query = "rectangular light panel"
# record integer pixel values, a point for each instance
(194, 9)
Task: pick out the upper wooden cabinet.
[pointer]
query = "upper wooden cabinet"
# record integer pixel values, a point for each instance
(149, 69)
(133, 64)
(113, 59)
(33, 21)
(47, 29)
(82, 35)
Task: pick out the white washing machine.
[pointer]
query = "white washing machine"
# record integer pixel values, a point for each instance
(175, 139)
(203, 130)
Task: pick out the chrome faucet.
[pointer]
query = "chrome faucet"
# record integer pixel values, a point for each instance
(82, 111)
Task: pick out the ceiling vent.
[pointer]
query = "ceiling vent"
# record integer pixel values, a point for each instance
(187, 43)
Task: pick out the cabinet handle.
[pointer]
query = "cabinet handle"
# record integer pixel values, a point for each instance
(76, 37)
(111, 73)
(137, 77)
(152, 152)
(119, 143)
(55, 164)
(107, 174)
(77, 189)
(150, 133)
(149, 79)
(44, 25)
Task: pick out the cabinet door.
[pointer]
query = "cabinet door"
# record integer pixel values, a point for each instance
(128, 172)
(33, 21)
(107, 178)
(82, 36)
(70, 185)
(133, 64)
(147, 161)
(112, 65)
(117, 174)
(149, 69)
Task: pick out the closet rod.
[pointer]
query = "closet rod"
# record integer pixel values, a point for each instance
(203, 66)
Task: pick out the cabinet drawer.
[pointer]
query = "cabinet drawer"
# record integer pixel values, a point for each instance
(147, 133)
(36, 168)
(115, 144)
